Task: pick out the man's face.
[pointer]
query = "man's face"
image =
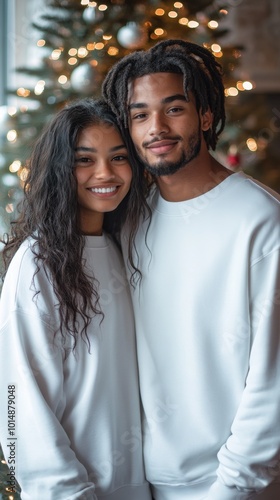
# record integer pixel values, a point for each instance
(165, 128)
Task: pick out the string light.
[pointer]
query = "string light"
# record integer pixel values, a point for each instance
(41, 43)
(172, 14)
(159, 31)
(159, 12)
(213, 25)
(112, 51)
(55, 55)
(184, 21)
(247, 85)
(231, 91)
(72, 52)
(12, 136)
(99, 46)
(72, 61)
(178, 5)
(193, 24)
(215, 47)
(15, 166)
(82, 52)
(62, 79)
(102, 7)
(22, 92)
(251, 144)
(39, 87)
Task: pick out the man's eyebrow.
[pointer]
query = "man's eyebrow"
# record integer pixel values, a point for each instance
(166, 100)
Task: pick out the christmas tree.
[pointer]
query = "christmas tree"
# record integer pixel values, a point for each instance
(79, 41)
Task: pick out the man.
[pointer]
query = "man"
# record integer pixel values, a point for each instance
(207, 306)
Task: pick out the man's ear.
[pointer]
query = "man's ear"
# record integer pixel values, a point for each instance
(206, 120)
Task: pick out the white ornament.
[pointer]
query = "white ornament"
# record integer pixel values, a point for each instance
(92, 15)
(132, 36)
(83, 78)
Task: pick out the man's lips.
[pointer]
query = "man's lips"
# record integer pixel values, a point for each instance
(161, 147)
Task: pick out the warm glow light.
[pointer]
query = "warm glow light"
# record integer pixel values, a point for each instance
(213, 25)
(232, 91)
(41, 43)
(223, 11)
(172, 14)
(251, 144)
(103, 7)
(84, 2)
(159, 31)
(107, 37)
(239, 85)
(99, 46)
(72, 61)
(193, 24)
(15, 166)
(82, 52)
(12, 135)
(12, 110)
(90, 46)
(247, 85)
(72, 52)
(9, 208)
(218, 54)
(113, 51)
(183, 20)
(56, 54)
(22, 92)
(159, 12)
(39, 87)
(62, 79)
(178, 5)
(23, 174)
(216, 47)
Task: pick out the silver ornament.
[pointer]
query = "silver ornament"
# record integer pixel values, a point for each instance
(132, 36)
(83, 78)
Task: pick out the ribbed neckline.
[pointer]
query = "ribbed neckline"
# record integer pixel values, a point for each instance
(96, 241)
(199, 202)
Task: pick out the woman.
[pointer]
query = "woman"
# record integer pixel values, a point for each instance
(67, 347)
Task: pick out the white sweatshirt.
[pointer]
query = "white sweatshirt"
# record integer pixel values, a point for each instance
(77, 415)
(208, 334)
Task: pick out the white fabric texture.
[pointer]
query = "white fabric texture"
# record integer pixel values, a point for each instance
(208, 336)
(78, 424)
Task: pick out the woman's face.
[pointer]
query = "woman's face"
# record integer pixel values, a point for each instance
(103, 174)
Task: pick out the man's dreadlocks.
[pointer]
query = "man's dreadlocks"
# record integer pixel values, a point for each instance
(201, 72)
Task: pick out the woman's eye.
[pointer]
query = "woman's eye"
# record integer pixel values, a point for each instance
(83, 159)
(120, 158)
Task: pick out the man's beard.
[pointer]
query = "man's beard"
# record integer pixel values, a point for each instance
(168, 168)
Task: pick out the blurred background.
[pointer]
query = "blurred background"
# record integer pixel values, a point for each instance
(54, 51)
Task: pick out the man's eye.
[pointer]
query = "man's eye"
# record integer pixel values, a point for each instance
(175, 110)
(139, 116)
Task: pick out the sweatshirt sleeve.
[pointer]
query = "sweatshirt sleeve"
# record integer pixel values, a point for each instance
(34, 443)
(250, 459)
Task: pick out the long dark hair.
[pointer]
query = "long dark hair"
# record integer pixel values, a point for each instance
(201, 72)
(49, 214)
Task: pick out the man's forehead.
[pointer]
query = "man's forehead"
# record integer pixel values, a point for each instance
(156, 80)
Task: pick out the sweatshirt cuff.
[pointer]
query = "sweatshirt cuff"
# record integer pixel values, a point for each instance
(219, 491)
